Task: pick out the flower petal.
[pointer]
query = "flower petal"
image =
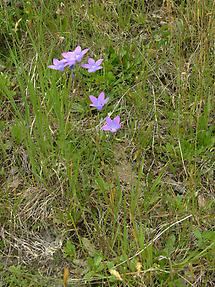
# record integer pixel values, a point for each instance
(55, 61)
(109, 121)
(105, 128)
(70, 61)
(77, 49)
(99, 107)
(91, 61)
(101, 97)
(105, 101)
(84, 51)
(94, 69)
(117, 120)
(98, 68)
(54, 67)
(98, 62)
(91, 70)
(87, 66)
(67, 54)
(94, 100)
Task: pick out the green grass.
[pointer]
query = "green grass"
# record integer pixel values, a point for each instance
(139, 202)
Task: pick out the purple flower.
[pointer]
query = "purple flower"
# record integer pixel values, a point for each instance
(112, 125)
(93, 65)
(99, 102)
(58, 64)
(74, 56)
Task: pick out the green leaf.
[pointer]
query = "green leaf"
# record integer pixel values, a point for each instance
(69, 249)
(90, 248)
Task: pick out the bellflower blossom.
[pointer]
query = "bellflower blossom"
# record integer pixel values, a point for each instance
(99, 102)
(93, 65)
(74, 56)
(112, 125)
(58, 64)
